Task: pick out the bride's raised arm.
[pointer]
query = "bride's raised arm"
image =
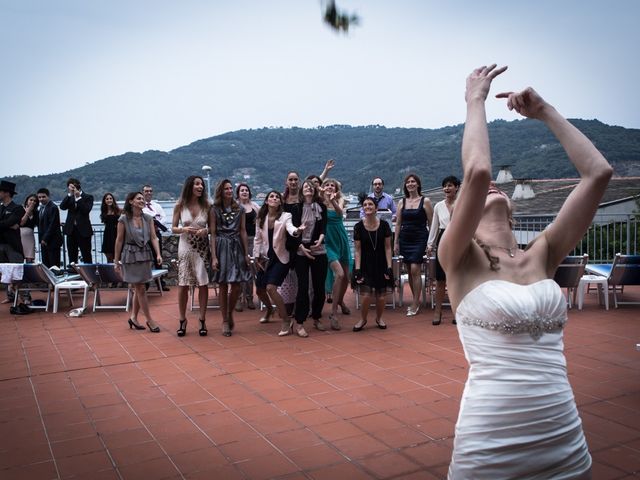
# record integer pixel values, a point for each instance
(576, 214)
(476, 165)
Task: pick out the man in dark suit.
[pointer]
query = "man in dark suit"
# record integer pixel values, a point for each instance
(10, 215)
(77, 226)
(49, 232)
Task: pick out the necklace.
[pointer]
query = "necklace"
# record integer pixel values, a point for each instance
(374, 244)
(511, 251)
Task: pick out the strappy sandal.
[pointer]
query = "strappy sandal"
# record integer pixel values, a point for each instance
(203, 328)
(155, 329)
(182, 331)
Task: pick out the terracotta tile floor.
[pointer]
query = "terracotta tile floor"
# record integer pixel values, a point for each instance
(89, 398)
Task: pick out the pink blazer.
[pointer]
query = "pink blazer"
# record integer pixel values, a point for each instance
(280, 227)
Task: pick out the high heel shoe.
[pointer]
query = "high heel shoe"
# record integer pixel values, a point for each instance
(182, 331)
(319, 326)
(226, 329)
(203, 328)
(135, 325)
(287, 328)
(381, 324)
(344, 308)
(334, 322)
(267, 316)
(437, 318)
(155, 329)
(412, 313)
(359, 326)
(302, 332)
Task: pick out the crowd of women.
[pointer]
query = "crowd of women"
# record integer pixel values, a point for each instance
(294, 248)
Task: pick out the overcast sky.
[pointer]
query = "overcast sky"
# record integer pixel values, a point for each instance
(85, 79)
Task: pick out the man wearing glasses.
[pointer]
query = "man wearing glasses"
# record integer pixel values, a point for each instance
(385, 201)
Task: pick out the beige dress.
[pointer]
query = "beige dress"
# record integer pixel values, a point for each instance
(193, 251)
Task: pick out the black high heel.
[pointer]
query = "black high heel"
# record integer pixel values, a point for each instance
(135, 325)
(182, 331)
(226, 330)
(203, 329)
(155, 329)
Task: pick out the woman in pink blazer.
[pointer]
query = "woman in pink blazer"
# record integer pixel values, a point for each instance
(272, 257)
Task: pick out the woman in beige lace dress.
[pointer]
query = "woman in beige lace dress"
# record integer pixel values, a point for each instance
(191, 219)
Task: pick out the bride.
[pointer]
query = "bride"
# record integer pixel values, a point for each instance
(518, 417)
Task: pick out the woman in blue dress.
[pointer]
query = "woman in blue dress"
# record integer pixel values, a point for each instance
(412, 232)
(337, 246)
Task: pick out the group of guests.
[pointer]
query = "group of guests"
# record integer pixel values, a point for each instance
(295, 248)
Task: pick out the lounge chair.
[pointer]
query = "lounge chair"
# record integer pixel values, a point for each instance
(38, 277)
(569, 273)
(625, 270)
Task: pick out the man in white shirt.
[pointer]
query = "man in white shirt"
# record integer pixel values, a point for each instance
(155, 210)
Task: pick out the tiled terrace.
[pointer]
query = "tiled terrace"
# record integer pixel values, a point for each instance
(89, 398)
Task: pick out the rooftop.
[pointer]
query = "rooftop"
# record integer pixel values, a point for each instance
(551, 193)
(88, 398)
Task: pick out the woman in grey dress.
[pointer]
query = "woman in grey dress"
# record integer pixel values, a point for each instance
(230, 258)
(133, 255)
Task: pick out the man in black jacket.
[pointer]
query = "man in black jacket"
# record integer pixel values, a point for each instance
(10, 215)
(77, 226)
(49, 232)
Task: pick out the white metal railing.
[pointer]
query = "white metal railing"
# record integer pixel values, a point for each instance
(609, 234)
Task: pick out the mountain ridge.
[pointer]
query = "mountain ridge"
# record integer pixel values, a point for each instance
(263, 156)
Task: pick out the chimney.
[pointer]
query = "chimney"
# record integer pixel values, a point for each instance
(504, 175)
(523, 190)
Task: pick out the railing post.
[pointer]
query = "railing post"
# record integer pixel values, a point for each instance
(628, 249)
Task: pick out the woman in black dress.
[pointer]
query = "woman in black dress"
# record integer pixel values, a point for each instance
(372, 274)
(243, 196)
(412, 232)
(109, 214)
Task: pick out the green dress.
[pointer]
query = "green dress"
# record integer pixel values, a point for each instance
(336, 242)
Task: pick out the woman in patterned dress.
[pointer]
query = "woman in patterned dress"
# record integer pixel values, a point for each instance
(191, 220)
(229, 254)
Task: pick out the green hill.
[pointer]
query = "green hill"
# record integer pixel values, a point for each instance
(262, 157)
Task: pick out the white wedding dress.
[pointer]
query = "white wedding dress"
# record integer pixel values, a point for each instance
(518, 417)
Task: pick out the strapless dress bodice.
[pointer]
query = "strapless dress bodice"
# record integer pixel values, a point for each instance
(518, 417)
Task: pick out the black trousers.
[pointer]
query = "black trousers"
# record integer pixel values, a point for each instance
(50, 255)
(75, 241)
(318, 270)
